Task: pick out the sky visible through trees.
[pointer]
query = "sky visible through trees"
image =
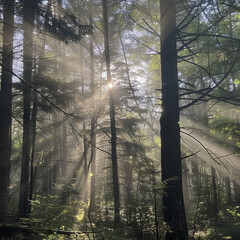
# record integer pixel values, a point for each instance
(120, 119)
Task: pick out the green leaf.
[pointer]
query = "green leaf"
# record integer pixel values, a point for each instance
(236, 81)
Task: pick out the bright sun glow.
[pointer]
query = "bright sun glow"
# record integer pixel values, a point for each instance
(110, 85)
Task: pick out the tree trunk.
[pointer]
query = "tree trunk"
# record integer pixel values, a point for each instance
(33, 169)
(236, 188)
(85, 144)
(64, 168)
(228, 191)
(28, 25)
(207, 193)
(112, 118)
(214, 196)
(155, 203)
(93, 121)
(173, 205)
(186, 188)
(6, 104)
(93, 165)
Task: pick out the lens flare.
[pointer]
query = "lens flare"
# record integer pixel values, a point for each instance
(110, 85)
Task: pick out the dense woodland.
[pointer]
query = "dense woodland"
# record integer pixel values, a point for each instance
(120, 119)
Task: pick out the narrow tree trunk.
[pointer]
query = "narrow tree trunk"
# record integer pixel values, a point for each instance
(56, 158)
(228, 191)
(63, 148)
(6, 104)
(236, 188)
(28, 25)
(173, 205)
(85, 144)
(45, 178)
(195, 174)
(93, 122)
(155, 203)
(32, 169)
(214, 196)
(64, 167)
(186, 188)
(112, 118)
(207, 193)
(93, 164)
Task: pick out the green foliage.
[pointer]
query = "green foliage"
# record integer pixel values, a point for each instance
(203, 60)
(221, 233)
(235, 213)
(236, 81)
(228, 127)
(47, 211)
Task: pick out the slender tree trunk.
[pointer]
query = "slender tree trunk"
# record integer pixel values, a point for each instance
(173, 205)
(93, 164)
(195, 174)
(85, 144)
(29, 7)
(32, 169)
(228, 191)
(207, 193)
(155, 203)
(6, 104)
(214, 196)
(64, 166)
(186, 188)
(56, 158)
(112, 118)
(63, 150)
(105, 194)
(93, 122)
(236, 188)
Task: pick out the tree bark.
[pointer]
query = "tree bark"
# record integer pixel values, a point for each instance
(93, 120)
(33, 140)
(93, 164)
(33, 170)
(214, 196)
(228, 191)
(28, 25)
(6, 104)
(173, 205)
(236, 188)
(185, 188)
(112, 119)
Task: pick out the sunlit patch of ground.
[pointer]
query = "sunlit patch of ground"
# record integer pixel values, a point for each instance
(218, 233)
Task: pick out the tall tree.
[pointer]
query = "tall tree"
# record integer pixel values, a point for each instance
(93, 118)
(173, 205)
(6, 104)
(112, 117)
(28, 26)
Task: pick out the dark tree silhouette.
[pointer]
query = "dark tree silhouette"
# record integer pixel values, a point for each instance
(173, 205)
(112, 118)
(6, 104)
(28, 25)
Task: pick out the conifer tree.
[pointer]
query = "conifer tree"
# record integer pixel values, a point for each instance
(6, 105)
(29, 8)
(173, 205)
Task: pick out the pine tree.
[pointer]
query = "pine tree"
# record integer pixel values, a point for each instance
(29, 8)
(173, 205)
(6, 105)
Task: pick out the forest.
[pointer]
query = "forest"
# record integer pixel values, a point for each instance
(120, 119)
